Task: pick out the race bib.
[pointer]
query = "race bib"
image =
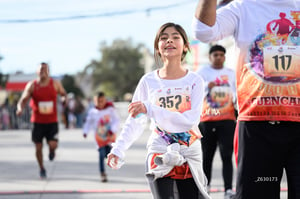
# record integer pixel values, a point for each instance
(46, 107)
(174, 99)
(221, 95)
(281, 61)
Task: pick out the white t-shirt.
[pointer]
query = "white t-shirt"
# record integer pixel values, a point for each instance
(219, 101)
(267, 35)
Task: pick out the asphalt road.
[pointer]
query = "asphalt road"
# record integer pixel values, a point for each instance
(74, 172)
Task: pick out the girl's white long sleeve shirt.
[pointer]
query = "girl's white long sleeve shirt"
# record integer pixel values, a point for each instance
(172, 105)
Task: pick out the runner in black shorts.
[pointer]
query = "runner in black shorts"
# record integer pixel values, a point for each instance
(43, 93)
(41, 131)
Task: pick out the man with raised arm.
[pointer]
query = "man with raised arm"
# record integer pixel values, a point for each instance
(266, 34)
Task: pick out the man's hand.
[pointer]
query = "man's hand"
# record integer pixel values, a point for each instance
(19, 112)
(211, 85)
(64, 101)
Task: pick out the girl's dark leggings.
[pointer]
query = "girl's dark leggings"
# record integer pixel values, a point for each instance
(168, 188)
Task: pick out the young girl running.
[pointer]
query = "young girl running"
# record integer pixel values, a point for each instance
(172, 98)
(104, 121)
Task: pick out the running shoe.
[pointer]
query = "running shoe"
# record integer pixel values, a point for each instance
(229, 194)
(51, 155)
(43, 174)
(103, 177)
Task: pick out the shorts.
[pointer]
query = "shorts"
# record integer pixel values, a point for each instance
(48, 131)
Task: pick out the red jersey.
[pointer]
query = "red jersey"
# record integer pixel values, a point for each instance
(43, 103)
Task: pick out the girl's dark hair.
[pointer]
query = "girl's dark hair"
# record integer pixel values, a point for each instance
(181, 31)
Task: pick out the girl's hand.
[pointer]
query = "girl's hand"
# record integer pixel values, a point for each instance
(112, 161)
(136, 108)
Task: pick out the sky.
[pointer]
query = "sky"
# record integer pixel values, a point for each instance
(69, 45)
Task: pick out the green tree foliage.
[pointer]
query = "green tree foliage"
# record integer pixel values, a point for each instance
(119, 69)
(3, 80)
(70, 85)
(3, 77)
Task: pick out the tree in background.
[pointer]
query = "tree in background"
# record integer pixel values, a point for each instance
(3, 80)
(3, 77)
(119, 69)
(70, 85)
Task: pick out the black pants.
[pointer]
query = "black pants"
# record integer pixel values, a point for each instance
(168, 188)
(218, 133)
(264, 150)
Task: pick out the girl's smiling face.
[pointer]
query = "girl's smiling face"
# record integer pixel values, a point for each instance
(171, 44)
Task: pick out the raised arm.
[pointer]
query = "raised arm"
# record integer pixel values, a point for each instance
(206, 11)
(212, 24)
(24, 97)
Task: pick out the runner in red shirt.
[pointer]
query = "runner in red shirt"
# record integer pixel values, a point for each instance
(43, 93)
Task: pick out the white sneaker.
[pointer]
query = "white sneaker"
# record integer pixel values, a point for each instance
(229, 194)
